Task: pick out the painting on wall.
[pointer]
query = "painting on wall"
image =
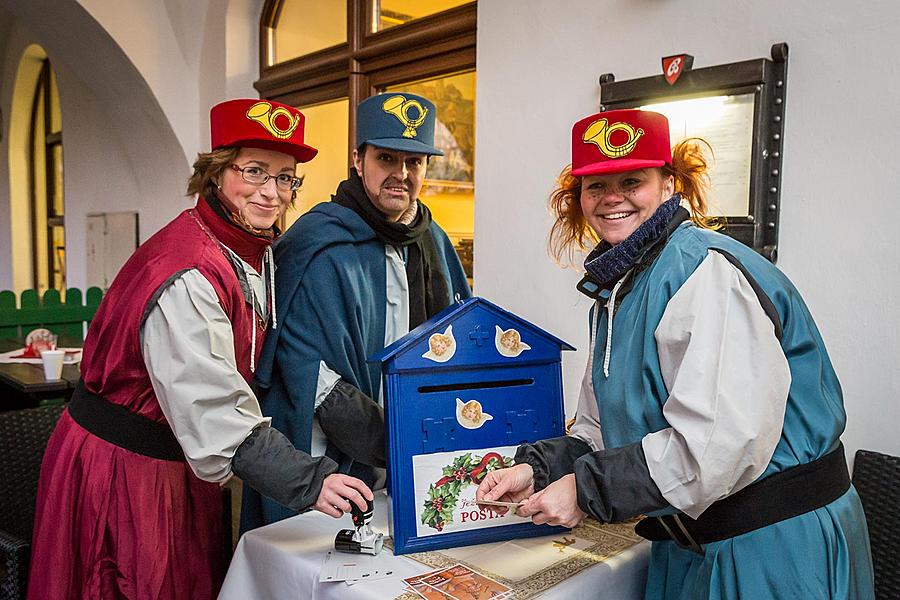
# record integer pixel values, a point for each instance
(454, 132)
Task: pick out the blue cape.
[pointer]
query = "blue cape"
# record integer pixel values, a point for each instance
(330, 293)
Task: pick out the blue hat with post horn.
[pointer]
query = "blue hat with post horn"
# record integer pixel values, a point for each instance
(397, 121)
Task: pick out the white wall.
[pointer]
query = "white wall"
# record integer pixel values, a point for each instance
(242, 48)
(136, 80)
(538, 64)
(191, 53)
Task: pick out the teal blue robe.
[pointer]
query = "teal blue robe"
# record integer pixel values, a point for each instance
(821, 554)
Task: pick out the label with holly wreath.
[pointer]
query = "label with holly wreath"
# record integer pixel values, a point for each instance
(445, 485)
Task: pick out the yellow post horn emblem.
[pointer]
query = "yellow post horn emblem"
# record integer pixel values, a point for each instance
(598, 133)
(399, 107)
(262, 113)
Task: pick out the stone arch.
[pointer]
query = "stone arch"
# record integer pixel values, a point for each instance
(120, 151)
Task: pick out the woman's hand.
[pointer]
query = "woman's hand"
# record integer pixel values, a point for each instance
(506, 485)
(556, 504)
(338, 490)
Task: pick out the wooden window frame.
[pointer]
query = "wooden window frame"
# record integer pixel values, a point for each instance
(425, 48)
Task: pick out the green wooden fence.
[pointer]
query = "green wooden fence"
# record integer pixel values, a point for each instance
(66, 319)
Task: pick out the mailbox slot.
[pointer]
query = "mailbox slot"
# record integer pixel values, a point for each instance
(476, 385)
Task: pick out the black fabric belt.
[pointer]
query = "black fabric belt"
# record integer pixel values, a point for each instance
(778, 497)
(118, 425)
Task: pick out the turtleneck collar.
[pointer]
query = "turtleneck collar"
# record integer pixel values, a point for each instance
(607, 263)
(249, 247)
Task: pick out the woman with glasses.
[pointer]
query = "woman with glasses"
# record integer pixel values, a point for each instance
(129, 501)
(709, 402)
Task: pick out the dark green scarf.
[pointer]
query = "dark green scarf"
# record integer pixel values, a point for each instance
(428, 290)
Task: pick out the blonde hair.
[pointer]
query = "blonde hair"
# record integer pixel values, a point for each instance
(570, 231)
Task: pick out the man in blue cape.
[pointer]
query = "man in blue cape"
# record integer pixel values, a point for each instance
(354, 275)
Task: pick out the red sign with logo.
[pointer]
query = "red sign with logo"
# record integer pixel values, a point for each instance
(674, 66)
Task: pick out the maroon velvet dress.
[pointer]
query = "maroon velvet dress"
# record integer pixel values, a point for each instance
(112, 523)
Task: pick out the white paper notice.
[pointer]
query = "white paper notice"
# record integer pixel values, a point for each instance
(726, 122)
(445, 486)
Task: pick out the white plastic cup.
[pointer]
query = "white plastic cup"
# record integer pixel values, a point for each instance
(53, 363)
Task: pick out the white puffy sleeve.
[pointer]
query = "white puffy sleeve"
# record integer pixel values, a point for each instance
(188, 348)
(728, 382)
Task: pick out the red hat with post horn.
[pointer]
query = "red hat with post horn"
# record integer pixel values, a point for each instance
(620, 140)
(260, 124)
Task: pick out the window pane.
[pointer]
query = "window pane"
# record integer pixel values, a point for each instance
(449, 189)
(58, 232)
(59, 206)
(326, 129)
(41, 279)
(58, 277)
(306, 26)
(388, 13)
(56, 225)
(55, 115)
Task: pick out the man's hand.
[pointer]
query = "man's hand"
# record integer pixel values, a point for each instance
(507, 485)
(556, 504)
(338, 490)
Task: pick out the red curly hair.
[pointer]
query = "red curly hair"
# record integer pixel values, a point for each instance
(570, 231)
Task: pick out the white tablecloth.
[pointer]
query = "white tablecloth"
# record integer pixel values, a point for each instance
(282, 560)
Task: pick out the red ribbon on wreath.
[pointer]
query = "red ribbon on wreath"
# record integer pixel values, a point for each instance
(474, 473)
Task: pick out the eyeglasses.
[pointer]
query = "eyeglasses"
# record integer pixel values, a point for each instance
(257, 176)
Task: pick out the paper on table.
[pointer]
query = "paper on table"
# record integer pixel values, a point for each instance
(73, 356)
(339, 566)
(382, 564)
(353, 568)
(516, 560)
(458, 582)
(423, 589)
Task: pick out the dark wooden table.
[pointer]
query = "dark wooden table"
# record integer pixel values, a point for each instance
(22, 385)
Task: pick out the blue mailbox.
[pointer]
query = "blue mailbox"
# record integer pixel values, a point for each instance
(461, 392)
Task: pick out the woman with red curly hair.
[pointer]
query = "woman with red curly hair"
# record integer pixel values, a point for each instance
(709, 402)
